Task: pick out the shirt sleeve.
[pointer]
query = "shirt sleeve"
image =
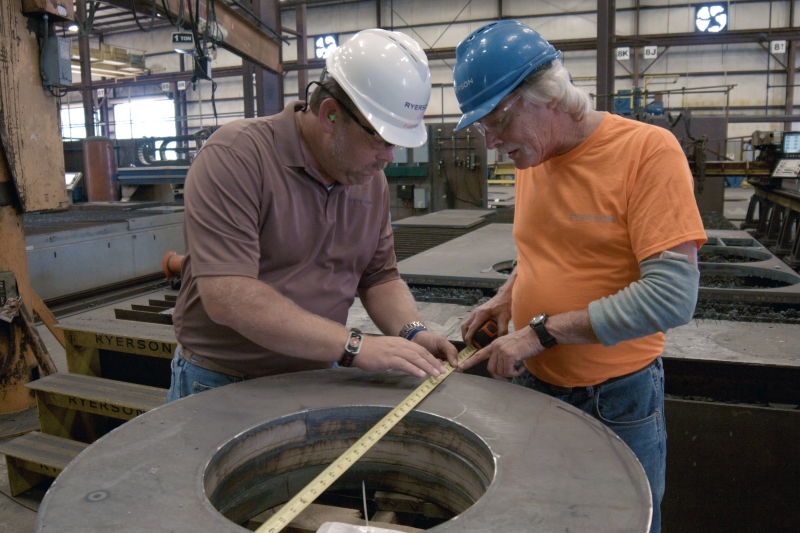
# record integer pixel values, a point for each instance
(223, 199)
(662, 210)
(383, 266)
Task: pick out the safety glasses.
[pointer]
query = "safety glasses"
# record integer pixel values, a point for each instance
(499, 121)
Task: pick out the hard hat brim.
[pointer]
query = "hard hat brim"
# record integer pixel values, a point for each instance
(405, 137)
(473, 116)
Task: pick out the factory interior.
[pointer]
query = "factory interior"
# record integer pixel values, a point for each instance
(105, 105)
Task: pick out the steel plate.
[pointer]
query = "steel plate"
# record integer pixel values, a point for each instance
(503, 458)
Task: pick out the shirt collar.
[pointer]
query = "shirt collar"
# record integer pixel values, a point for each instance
(287, 140)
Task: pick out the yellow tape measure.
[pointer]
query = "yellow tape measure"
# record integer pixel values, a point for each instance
(328, 477)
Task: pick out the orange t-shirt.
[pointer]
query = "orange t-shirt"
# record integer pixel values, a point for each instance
(584, 221)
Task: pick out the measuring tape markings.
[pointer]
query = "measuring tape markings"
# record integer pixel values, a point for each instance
(310, 492)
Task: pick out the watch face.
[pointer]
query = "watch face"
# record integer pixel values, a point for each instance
(539, 320)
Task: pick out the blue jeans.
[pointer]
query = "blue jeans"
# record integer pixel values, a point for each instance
(188, 379)
(632, 407)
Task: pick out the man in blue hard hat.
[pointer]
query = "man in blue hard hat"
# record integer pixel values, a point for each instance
(607, 230)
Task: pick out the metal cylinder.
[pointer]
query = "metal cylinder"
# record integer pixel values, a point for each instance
(100, 170)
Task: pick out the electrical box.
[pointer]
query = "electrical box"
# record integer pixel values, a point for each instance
(63, 9)
(421, 153)
(202, 67)
(400, 155)
(421, 198)
(56, 63)
(405, 192)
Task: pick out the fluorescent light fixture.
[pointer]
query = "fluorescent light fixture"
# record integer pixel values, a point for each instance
(73, 27)
(711, 18)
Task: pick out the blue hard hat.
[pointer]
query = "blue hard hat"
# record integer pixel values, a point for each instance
(492, 62)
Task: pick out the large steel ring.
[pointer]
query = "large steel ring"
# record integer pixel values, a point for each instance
(498, 456)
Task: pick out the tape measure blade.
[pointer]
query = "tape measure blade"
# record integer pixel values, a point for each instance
(327, 477)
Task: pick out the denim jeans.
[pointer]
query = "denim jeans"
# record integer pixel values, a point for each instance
(188, 379)
(632, 407)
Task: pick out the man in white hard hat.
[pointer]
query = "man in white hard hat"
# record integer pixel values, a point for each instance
(287, 218)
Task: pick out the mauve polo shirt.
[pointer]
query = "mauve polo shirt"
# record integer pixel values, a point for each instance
(255, 208)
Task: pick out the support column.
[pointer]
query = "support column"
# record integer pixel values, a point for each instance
(247, 89)
(302, 50)
(184, 110)
(791, 58)
(105, 128)
(176, 106)
(269, 85)
(248, 69)
(605, 54)
(86, 72)
(635, 51)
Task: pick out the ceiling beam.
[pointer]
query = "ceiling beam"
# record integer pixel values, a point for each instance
(291, 4)
(664, 39)
(697, 38)
(242, 37)
(156, 79)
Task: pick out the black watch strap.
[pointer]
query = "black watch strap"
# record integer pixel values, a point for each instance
(351, 347)
(538, 325)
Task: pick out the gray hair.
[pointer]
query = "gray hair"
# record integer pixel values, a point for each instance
(553, 82)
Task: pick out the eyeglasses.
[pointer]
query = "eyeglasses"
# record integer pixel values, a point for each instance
(500, 121)
(370, 131)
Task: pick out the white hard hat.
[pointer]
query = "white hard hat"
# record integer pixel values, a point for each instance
(386, 75)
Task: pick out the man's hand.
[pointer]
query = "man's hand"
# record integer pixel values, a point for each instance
(438, 346)
(498, 308)
(385, 353)
(507, 353)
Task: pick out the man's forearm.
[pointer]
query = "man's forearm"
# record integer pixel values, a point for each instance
(256, 311)
(572, 327)
(390, 305)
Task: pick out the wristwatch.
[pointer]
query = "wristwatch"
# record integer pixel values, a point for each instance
(538, 325)
(351, 347)
(416, 327)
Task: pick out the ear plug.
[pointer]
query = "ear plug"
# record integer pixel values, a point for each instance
(332, 117)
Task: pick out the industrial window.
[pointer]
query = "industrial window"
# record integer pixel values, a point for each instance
(73, 125)
(144, 118)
